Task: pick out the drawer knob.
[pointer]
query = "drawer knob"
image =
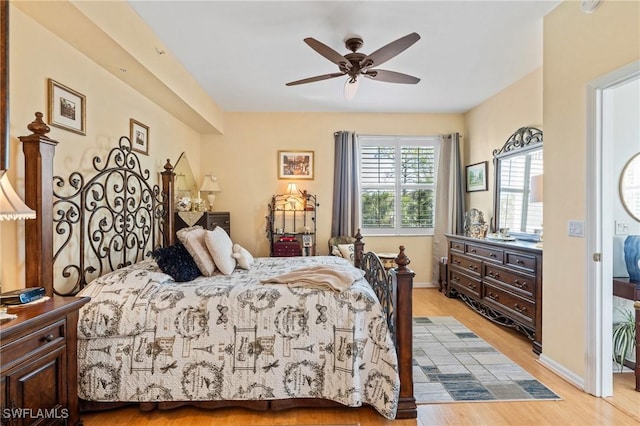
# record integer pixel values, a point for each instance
(48, 338)
(520, 310)
(519, 261)
(493, 296)
(472, 250)
(493, 274)
(519, 284)
(471, 286)
(492, 255)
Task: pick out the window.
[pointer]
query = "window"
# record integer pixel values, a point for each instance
(398, 184)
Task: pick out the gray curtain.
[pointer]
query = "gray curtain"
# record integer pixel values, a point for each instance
(346, 205)
(449, 198)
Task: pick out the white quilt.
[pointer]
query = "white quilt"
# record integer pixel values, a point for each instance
(144, 337)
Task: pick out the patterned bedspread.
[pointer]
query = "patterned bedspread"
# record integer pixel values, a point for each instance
(144, 337)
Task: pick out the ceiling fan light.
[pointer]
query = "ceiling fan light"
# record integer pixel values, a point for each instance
(351, 87)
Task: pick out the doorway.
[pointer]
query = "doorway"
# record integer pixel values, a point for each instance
(604, 119)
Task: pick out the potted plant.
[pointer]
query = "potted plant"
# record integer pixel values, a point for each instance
(624, 337)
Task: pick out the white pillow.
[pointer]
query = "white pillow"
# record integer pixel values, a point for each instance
(347, 251)
(221, 250)
(193, 240)
(242, 256)
(335, 251)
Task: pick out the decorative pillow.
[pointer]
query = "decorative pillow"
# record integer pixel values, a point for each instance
(242, 256)
(221, 250)
(177, 262)
(347, 251)
(335, 251)
(194, 241)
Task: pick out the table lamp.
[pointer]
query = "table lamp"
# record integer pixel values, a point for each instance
(210, 186)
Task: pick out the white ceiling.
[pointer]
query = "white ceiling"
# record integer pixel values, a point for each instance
(243, 52)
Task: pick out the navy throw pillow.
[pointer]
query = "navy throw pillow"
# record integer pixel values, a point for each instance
(177, 262)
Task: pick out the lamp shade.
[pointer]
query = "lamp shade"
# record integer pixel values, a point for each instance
(210, 184)
(11, 206)
(292, 189)
(535, 189)
(351, 87)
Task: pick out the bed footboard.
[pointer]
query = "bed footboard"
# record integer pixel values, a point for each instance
(394, 291)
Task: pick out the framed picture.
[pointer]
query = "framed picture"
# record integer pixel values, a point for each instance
(139, 135)
(477, 177)
(67, 108)
(295, 165)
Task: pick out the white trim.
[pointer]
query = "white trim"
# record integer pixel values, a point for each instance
(424, 285)
(561, 371)
(600, 181)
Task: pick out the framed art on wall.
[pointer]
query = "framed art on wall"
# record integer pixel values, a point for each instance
(477, 177)
(139, 135)
(67, 108)
(295, 165)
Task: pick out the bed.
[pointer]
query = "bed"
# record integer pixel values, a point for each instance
(218, 341)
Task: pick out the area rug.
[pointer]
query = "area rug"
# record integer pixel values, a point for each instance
(453, 364)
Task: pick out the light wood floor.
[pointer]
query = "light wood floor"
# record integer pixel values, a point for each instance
(576, 407)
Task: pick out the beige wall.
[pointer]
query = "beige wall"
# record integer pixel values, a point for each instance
(489, 125)
(36, 55)
(578, 48)
(245, 161)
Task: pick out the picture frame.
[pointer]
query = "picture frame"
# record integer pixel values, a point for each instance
(476, 177)
(139, 136)
(297, 165)
(67, 108)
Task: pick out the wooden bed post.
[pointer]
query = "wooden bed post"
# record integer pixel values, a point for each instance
(358, 248)
(168, 228)
(38, 176)
(403, 283)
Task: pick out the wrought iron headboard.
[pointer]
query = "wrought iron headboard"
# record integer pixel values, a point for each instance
(105, 220)
(382, 285)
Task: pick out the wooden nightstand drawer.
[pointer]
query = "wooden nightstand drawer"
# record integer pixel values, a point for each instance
(223, 220)
(33, 344)
(456, 246)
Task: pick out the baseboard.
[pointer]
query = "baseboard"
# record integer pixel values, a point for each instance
(424, 285)
(561, 371)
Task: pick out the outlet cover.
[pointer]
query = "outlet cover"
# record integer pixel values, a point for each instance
(576, 228)
(622, 228)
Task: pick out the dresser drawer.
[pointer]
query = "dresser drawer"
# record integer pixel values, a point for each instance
(518, 283)
(286, 248)
(456, 246)
(489, 253)
(516, 306)
(33, 344)
(466, 264)
(520, 260)
(465, 284)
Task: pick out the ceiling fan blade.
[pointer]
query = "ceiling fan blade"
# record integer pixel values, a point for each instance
(391, 76)
(316, 78)
(389, 51)
(327, 52)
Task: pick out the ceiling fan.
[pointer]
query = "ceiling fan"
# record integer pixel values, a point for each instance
(355, 64)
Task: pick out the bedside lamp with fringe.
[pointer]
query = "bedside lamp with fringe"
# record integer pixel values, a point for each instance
(11, 206)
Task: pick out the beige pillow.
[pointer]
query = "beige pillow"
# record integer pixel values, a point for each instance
(347, 251)
(194, 241)
(221, 250)
(242, 256)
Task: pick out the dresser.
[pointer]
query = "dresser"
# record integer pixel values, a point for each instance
(286, 248)
(500, 280)
(38, 374)
(208, 220)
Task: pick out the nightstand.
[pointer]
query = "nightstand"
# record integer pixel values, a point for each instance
(208, 220)
(39, 366)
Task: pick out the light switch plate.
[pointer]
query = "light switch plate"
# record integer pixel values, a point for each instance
(622, 228)
(576, 228)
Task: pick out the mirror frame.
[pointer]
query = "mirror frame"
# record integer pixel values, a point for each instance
(523, 140)
(634, 215)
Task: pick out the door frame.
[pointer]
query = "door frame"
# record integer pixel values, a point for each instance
(600, 182)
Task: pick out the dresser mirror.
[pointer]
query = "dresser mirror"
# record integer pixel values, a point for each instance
(516, 212)
(185, 184)
(630, 187)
